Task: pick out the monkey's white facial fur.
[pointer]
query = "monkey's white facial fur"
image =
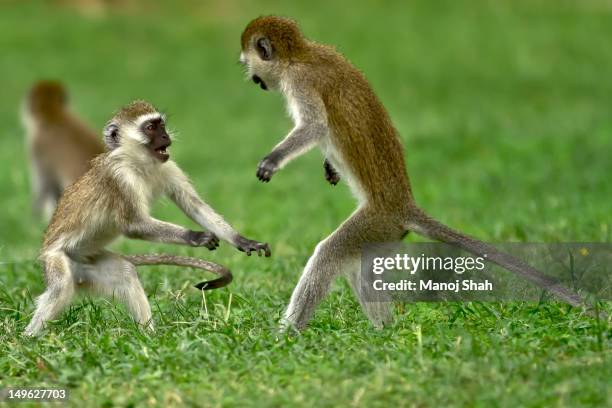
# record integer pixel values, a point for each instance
(262, 66)
(146, 135)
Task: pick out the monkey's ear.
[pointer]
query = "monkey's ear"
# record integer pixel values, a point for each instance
(264, 48)
(111, 136)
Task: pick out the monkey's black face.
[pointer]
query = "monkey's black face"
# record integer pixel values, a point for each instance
(260, 82)
(159, 140)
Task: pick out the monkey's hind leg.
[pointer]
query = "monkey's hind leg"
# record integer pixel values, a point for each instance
(377, 306)
(46, 191)
(338, 253)
(60, 291)
(113, 276)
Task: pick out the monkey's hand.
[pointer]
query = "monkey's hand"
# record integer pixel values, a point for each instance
(331, 174)
(203, 239)
(248, 245)
(267, 167)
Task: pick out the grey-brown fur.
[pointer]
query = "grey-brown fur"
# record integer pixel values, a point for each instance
(133, 111)
(60, 145)
(334, 108)
(113, 199)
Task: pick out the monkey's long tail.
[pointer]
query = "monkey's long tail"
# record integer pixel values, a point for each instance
(423, 224)
(225, 275)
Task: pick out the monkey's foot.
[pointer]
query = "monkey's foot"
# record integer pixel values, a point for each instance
(286, 326)
(32, 330)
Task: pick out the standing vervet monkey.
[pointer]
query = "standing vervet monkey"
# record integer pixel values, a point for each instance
(333, 107)
(113, 198)
(60, 145)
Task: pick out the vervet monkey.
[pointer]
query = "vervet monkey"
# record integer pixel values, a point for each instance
(60, 145)
(333, 107)
(114, 198)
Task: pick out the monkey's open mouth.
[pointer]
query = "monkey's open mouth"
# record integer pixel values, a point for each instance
(161, 153)
(260, 81)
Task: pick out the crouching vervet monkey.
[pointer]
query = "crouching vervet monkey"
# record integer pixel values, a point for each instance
(112, 199)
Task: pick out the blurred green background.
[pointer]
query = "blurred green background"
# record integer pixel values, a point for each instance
(505, 111)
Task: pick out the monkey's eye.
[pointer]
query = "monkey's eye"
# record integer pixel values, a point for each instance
(149, 127)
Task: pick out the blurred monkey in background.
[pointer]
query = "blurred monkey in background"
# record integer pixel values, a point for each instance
(60, 145)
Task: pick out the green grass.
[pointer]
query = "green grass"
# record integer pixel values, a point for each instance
(505, 110)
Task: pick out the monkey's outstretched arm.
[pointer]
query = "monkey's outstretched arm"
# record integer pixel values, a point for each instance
(151, 229)
(182, 193)
(299, 141)
(310, 118)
